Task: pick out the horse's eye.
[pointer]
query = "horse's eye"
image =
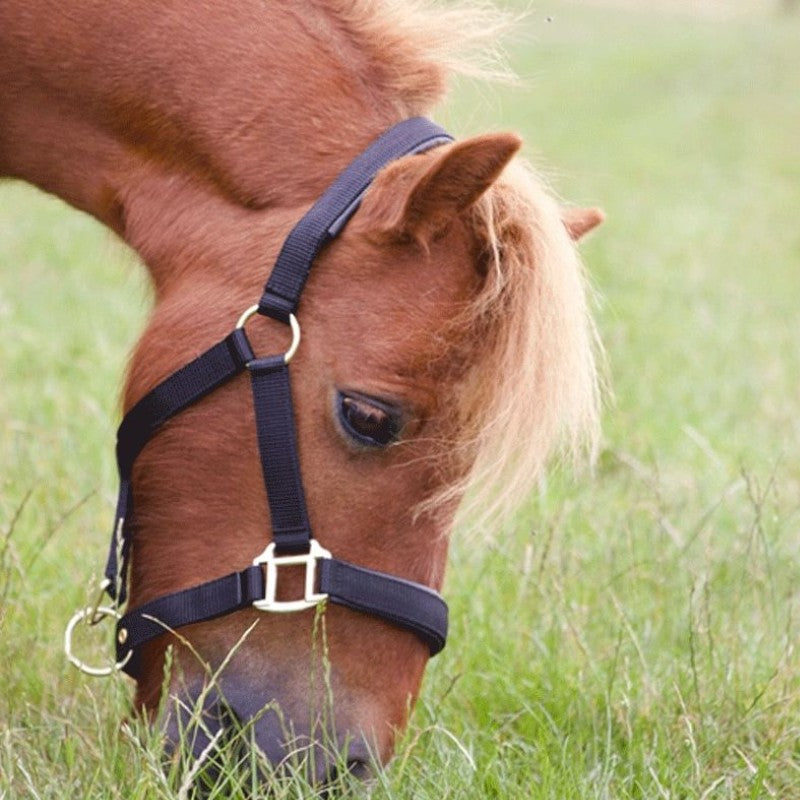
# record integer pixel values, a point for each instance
(368, 421)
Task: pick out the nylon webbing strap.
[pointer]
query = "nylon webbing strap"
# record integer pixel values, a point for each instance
(189, 384)
(117, 560)
(336, 205)
(411, 606)
(198, 604)
(277, 445)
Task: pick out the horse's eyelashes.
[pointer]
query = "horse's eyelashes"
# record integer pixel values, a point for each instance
(368, 421)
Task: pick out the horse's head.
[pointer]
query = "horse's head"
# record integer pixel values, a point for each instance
(445, 345)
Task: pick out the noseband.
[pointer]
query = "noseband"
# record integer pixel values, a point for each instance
(406, 604)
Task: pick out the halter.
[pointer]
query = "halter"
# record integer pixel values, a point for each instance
(406, 604)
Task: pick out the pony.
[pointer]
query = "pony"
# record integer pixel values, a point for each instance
(448, 349)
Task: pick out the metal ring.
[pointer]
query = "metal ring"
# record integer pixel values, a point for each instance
(293, 324)
(95, 615)
(246, 316)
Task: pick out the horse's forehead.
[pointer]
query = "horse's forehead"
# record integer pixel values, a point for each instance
(403, 279)
(395, 304)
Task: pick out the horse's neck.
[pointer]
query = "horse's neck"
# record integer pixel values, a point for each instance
(260, 105)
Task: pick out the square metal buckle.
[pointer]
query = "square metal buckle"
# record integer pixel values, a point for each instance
(272, 562)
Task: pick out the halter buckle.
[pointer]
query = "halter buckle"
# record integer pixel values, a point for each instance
(310, 598)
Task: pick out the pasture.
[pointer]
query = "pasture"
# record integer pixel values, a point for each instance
(632, 634)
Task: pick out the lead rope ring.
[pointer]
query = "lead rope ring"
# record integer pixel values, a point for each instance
(93, 616)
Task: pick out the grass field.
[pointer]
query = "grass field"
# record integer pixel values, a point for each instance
(635, 635)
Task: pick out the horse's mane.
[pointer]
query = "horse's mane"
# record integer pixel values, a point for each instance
(534, 391)
(413, 46)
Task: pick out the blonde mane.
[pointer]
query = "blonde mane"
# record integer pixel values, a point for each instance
(534, 392)
(412, 47)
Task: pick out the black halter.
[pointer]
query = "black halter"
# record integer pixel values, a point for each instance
(409, 605)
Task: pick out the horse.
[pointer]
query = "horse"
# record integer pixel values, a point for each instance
(447, 348)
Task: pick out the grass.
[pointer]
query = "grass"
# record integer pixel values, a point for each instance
(634, 635)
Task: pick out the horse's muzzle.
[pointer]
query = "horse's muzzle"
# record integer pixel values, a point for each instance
(213, 733)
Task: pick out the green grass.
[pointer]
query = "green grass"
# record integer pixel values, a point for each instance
(634, 637)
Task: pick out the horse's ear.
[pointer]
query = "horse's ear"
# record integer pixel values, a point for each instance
(420, 196)
(579, 221)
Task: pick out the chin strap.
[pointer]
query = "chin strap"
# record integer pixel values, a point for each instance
(403, 603)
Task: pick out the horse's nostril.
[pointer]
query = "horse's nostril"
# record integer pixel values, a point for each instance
(354, 768)
(229, 719)
(359, 769)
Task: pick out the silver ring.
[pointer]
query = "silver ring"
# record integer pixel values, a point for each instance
(95, 614)
(293, 324)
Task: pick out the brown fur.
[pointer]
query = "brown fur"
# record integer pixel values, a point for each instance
(200, 132)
